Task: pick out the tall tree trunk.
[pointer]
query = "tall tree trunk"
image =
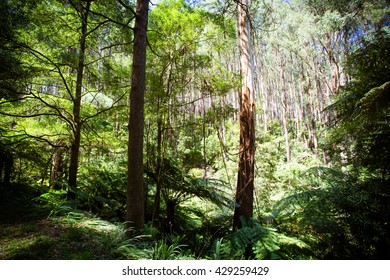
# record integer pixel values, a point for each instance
(77, 123)
(159, 163)
(245, 184)
(135, 214)
(283, 90)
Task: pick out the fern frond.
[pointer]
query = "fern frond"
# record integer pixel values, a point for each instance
(266, 242)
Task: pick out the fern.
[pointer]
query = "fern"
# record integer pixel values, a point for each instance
(342, 215)
(134, 248)
(217, 249)
(162, 250)
(261, 242)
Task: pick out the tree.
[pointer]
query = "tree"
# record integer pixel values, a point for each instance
(178, 35)
(363, 106)
(246, 165)
(347, 210)
(135, 189)
(71, 52)
(77, 124)
(11, 70)
(11, 75)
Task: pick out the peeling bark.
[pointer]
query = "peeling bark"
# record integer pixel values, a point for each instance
(245, 179)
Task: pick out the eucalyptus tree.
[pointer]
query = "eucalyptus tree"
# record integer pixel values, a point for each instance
(172, 40)
(183, 83)
(135, 214)
(246, 163)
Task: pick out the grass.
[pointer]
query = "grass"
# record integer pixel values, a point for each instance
(42, 225)
(33, 231)
(47, 227)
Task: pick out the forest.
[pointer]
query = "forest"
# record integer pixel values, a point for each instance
(195, 129)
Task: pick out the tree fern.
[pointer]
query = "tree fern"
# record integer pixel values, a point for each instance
(177, 188)
(263, 242)
(342, 215)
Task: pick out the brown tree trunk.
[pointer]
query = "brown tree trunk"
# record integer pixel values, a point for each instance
(77, 124)
(57, 169)
(135, 188)
(245, 184)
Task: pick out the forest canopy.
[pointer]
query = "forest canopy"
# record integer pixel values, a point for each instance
(195, 129)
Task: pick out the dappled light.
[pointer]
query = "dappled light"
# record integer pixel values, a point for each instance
(213, 130)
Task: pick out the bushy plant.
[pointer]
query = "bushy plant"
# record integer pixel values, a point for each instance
(254, 241)
(343, 215)
(102, 188)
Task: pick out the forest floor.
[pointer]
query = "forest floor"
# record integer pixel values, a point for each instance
(31, 231)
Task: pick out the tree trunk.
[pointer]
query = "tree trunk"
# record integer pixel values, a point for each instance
(135, 186)
(1, 166)
(77, 124)
(283, 91)
(245, 184)
(57, 168)
(159, 163)
(8, 165)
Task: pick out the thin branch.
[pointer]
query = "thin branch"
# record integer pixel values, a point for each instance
(15, 100)
(113, 20)
(40, 55)
(115, 45)
(27, 116)
(97, 27)
(41, 138)
(59, 113)
(104, 110)
(151, 49)
(127, 7)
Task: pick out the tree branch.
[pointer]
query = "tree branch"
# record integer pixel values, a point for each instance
(115, 45)
(103, 110)
(97, 27)
(113, 20)
(127, 7)
(40, 55)
(41, 138)
(55, 108)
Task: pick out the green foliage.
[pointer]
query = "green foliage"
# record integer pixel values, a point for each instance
(276, 175)
(133, 249)
(254, 241)
(166, 249)
(192, 131)
(12, 73)
(178, 187)
(49, 228)
(343, 215)
(363, 106)
(102, 188)
(342, 212)
(53, 198)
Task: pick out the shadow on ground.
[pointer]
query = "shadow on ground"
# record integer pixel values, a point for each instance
(27, 231)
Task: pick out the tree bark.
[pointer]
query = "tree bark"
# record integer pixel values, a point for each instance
(283, 91)
(135, 189)
(245, 184)
(57, 170)
(8, 166)
(159, 163)
(77, 123)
